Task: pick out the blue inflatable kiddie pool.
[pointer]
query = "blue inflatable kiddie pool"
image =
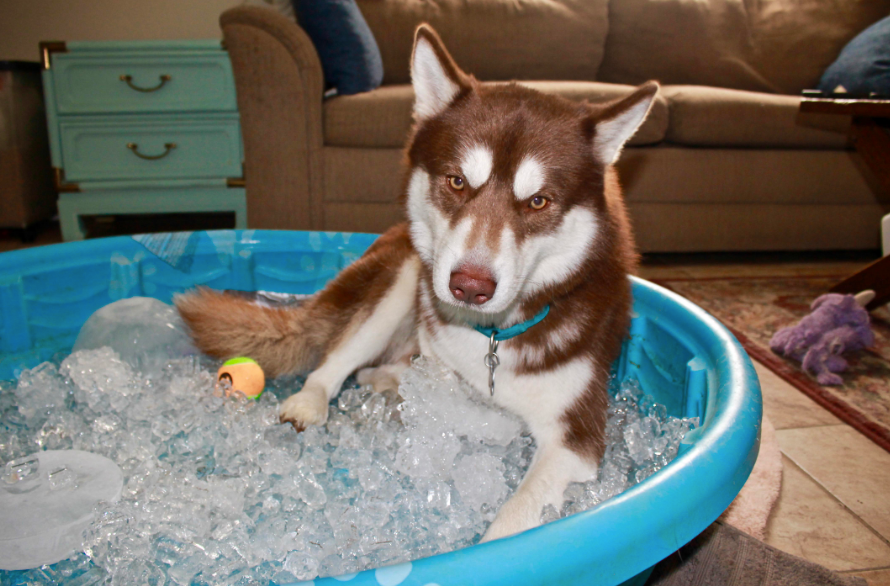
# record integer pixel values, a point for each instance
(679, 354)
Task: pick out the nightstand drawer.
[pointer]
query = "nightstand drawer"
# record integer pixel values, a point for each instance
(157, 147)
(183, 81)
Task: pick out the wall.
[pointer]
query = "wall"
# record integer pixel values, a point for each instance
(24, 23)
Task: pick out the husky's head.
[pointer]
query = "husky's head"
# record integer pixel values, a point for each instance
(506, 192)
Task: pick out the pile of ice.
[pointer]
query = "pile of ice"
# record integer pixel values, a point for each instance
(217, 492)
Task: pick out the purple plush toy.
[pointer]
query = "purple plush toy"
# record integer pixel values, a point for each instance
(836, 324)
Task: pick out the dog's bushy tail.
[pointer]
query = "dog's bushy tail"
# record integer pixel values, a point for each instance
(281, 340)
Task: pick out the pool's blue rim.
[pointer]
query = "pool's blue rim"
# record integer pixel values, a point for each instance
(13, 258)
(557, 552)
(37, 254)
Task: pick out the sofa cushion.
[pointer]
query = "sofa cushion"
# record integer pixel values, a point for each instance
(346, 47)
(708, 116)
(382, 118)
(780, 46)
(863, 67)
(496, 40)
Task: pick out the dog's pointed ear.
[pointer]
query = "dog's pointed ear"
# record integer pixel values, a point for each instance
(436, 78)
(618, 121)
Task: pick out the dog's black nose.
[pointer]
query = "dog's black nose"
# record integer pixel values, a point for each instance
(472, 284)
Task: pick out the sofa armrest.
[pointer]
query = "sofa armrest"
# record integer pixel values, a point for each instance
(279, 82)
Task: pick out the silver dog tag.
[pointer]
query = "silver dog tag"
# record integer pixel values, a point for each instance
(491, 361)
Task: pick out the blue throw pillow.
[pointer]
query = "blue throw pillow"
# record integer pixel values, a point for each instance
(345, 44)
(863, 67)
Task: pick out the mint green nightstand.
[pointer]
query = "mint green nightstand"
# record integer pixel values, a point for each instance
(142, 127)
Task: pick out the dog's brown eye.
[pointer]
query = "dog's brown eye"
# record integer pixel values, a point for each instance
(456, 182)
(538, 202)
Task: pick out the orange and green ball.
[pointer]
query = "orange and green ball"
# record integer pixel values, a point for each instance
(242, 375)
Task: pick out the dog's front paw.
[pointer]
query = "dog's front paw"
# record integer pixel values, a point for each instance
(383, 378)
(308, 407)
(515, 516)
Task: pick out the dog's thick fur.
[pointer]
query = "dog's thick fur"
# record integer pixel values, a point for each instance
(513, 205)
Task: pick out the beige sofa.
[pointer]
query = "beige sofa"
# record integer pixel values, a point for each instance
(725, 161)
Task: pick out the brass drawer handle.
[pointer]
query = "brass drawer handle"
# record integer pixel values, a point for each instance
(129, 80)
(135, 148)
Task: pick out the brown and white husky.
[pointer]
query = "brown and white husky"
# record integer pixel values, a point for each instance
(512, 271)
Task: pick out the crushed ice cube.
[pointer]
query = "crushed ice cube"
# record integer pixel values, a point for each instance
(62, 478)
(40, 392)
(20, 470)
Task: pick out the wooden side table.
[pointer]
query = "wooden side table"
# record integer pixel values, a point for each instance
(142, 127)
(870, 134)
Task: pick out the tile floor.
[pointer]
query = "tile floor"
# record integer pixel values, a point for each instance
(834, 508)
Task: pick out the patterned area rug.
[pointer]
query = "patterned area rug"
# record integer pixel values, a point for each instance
(754, 308)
